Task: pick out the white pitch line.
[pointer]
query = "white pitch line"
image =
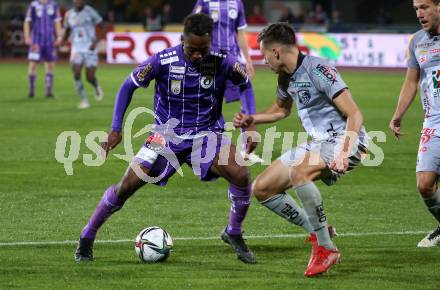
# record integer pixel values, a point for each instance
(70, 242)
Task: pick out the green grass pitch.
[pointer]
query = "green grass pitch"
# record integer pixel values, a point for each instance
(376, 210)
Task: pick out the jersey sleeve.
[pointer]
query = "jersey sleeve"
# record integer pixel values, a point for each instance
(57, 14)
(411, 57)
(283, 84)
(95, 16)
(28, 17)
(200, 8)
(326, 78)
(145, 72)
(236, 72)
(242, 24)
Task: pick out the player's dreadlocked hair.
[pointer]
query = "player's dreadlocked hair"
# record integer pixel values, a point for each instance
(199, 24)
(280, 32)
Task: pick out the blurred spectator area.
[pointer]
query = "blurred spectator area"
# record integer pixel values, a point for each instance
(386, 16)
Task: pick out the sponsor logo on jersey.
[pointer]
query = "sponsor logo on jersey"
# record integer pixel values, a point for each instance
(326, 73)
(206, 81)
(179, 77)
(177, 69)
(175, 86)
(302, 85)
(144, 72)
(436, 83)
(169, 60)
(192, 71)
(425, 45)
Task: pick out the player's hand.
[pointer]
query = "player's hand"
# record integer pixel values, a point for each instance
(395, 126)
(241, 120)
(251, 145)
(113, 139)
(250, 70)
(340, 163)
(58, 41)
(93, 46)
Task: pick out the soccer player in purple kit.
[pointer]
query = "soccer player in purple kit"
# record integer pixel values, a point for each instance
(190, 80)
(42, 33)
(229, 36)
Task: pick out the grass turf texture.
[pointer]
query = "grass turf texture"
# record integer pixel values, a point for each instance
(39, 202)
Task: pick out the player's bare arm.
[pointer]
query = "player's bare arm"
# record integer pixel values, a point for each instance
(59, 33)
(407, 95)
(347, 106)
(243, 44)
(279, 110)
(101, 35)
(27, 32)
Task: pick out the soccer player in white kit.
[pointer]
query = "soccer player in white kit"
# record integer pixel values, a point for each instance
(338, 140)
(81, 21)
(424, 67)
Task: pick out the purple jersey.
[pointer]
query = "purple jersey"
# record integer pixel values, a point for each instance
(229, 17)
(43, 17)
(190, 93)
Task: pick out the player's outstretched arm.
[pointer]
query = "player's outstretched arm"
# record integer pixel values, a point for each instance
(407, 95)
(243, 44)
(279, 110)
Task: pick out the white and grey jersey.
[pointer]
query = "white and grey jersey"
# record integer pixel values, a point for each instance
(313, 86)
(424, 54)
(82, 24)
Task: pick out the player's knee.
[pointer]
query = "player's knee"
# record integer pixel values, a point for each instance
(426, 189)
(241, 177)
(299, 175)
(91, 79)
(261, 189)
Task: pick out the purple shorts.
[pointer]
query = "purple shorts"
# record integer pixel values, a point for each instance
(163, 160)
(42, 53)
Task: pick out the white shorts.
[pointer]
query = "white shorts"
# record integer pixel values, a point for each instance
(428, 157)
(88, 59)
(327, 150)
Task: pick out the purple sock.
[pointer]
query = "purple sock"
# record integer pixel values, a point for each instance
(240, 200)
(32, 84)
(109, 204)
(49, 82)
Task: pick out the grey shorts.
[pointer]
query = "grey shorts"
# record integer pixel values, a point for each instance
(428, 157)
(87, 59)
(327, 151)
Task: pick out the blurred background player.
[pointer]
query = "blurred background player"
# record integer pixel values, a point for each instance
(330, 117)
(229, 36)
(190, 81)
(42, 33)
(81, 22)
(424, 67)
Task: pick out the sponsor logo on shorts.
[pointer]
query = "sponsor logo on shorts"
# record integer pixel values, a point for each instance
(155, 142)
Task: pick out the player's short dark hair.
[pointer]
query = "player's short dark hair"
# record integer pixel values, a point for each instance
(280, 32)
(199, 24)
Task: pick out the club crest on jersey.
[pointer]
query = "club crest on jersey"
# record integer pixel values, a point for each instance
(175, 86)
(214, 15)
(206, 81)
(233, 14)
(304, 97)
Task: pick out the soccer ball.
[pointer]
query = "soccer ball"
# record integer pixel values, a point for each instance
(153, 244)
